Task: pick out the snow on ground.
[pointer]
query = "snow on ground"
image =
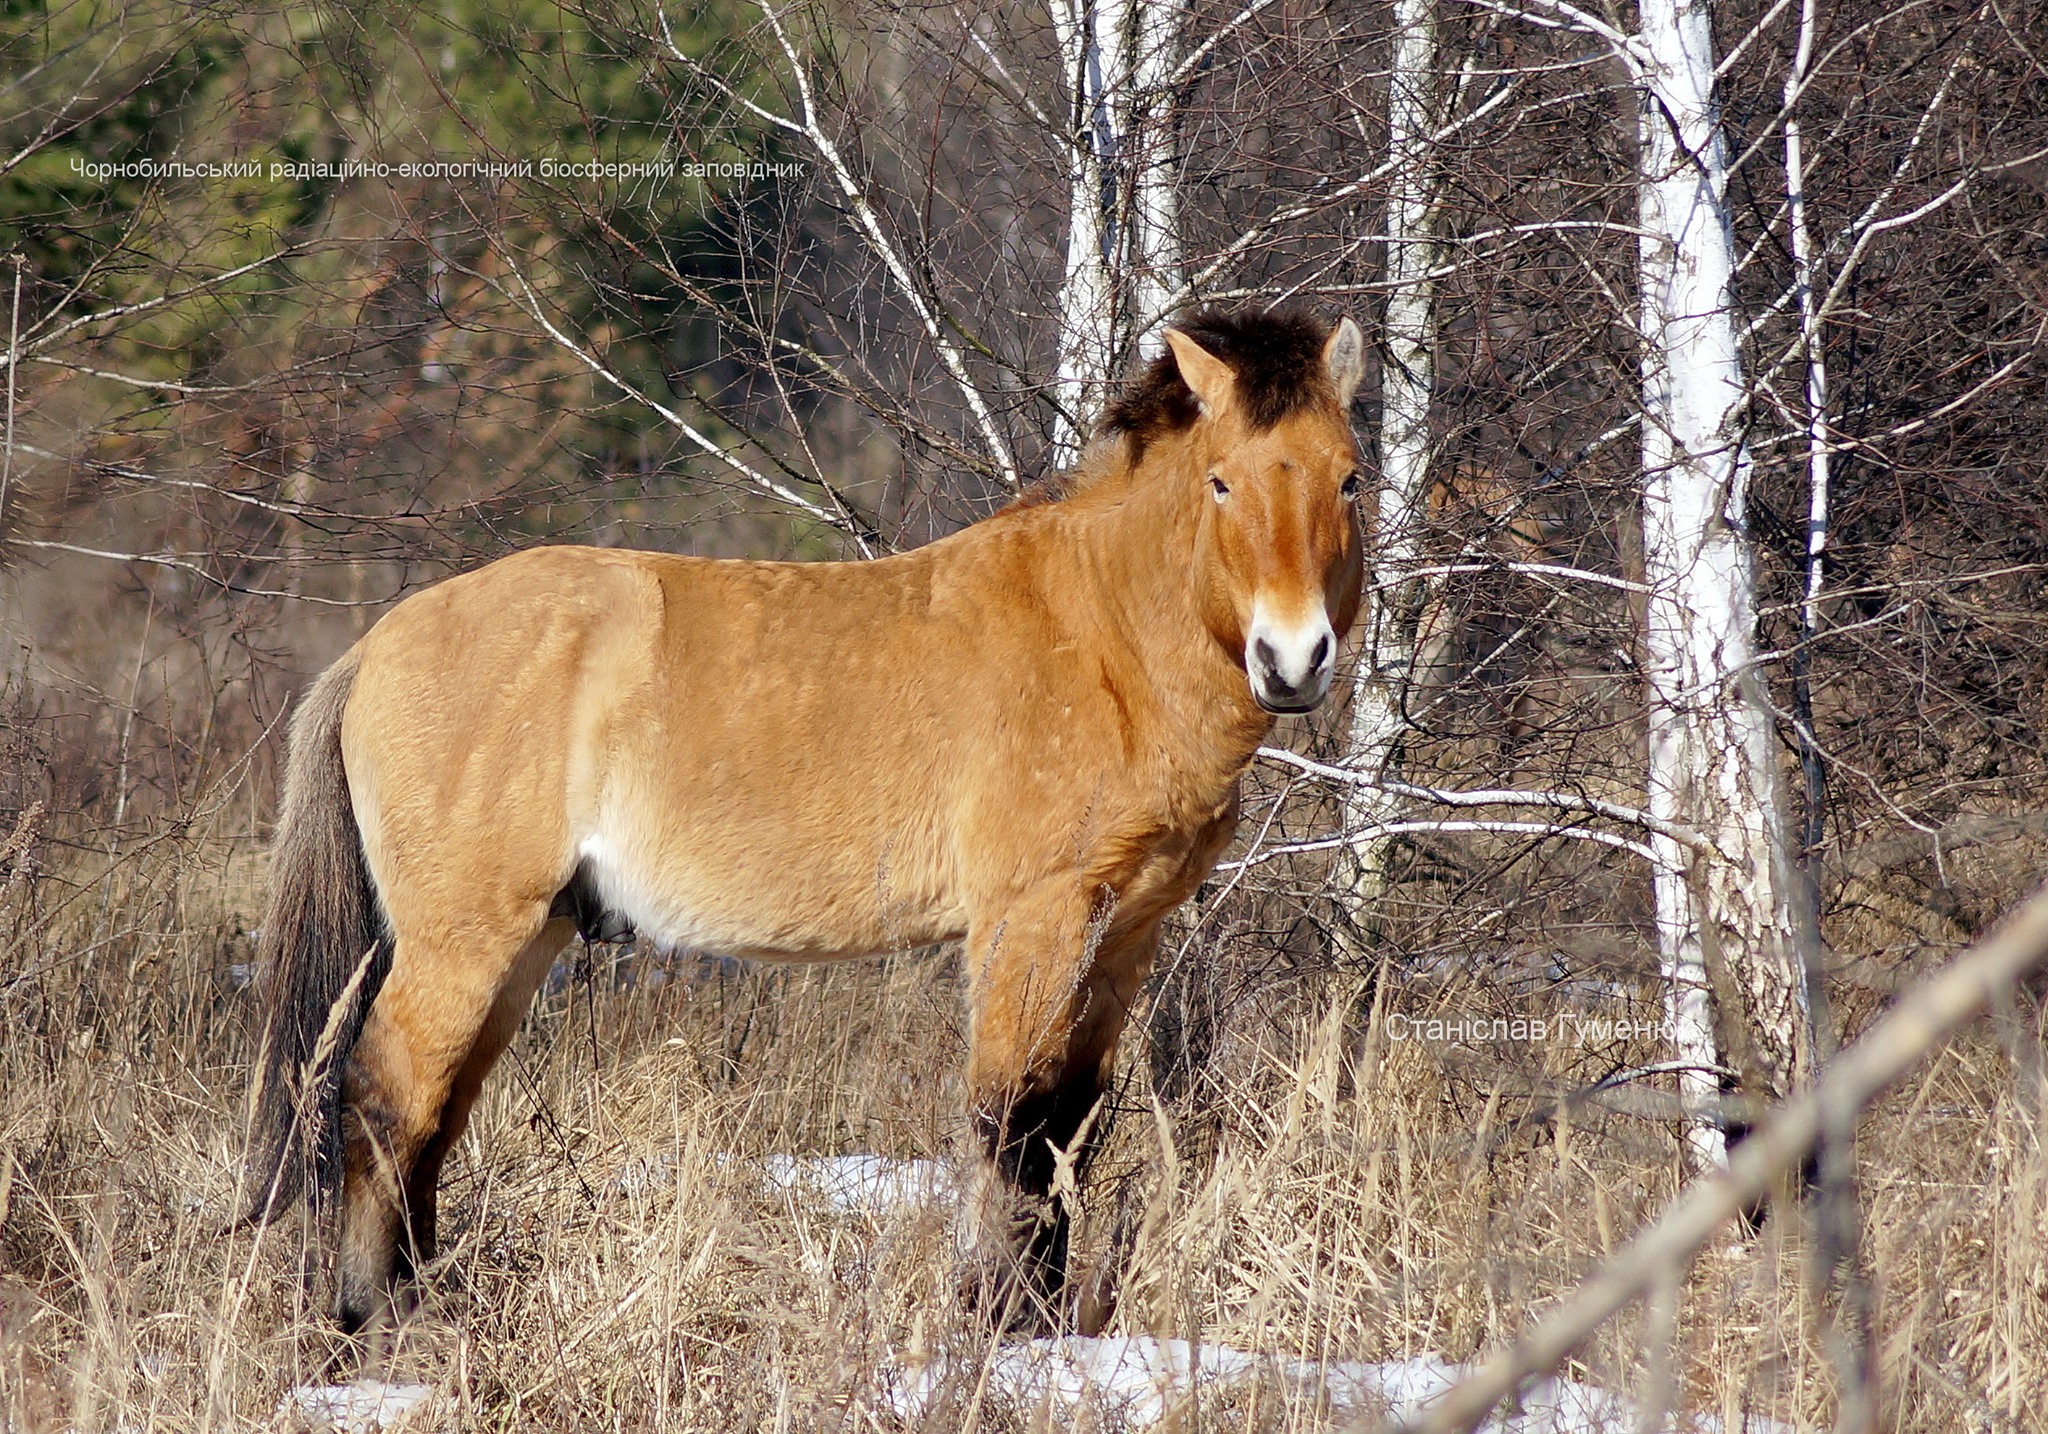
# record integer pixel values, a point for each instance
(877, 1185)
(364, 1407)
(1134, 1380)
(874, 1185)
(1138, 1381)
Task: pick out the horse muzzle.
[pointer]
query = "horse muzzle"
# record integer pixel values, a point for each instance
(1290, 666)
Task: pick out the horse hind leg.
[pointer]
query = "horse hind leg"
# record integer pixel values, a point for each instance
(422, 1188)
(437, 1025)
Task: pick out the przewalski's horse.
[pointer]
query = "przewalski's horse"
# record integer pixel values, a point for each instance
(1027, 735)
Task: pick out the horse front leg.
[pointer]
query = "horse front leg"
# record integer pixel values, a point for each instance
(1051, 991)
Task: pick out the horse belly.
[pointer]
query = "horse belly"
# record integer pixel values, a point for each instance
(739, 899)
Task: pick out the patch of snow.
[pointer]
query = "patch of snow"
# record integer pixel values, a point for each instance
(644, 1173)
(1140, 1380)
(875, 1185)
(1134, 1376)
(363, 1407)
(1546, 1406)
(1404, 1388)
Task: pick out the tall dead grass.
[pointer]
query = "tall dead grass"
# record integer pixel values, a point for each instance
(615, 1259)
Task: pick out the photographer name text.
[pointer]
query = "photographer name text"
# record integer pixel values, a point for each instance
(1577, 1030)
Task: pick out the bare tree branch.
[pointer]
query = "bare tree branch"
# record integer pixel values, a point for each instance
(1556, 801)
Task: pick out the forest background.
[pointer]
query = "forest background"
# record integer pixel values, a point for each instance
(1698, 710)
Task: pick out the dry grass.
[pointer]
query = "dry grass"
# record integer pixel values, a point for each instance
(615, 1260)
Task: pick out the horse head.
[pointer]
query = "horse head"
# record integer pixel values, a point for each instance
(1278, 553)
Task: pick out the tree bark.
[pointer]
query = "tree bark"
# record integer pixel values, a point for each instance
(1408, 378)
(1123, 247)
(1711, 759)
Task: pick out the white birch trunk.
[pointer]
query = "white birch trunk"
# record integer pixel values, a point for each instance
(1123, 247)
(1154, 222)
(1086, 293)
(1407, 382)
(1805, 276)
(1711, 762)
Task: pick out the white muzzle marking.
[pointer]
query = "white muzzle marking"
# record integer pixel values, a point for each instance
(1289, 664)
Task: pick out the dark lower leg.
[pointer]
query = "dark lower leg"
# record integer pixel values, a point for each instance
(423, 1183)
(422, 1186)
(436, 1027)
(1037, 1144)
(1047, 1011)
(394, 1096)
(366, 1262)
(421, 1202)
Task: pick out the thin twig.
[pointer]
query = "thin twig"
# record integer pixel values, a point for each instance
(1555, 801)
(13, 355)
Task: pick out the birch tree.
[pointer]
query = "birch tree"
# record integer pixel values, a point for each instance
(1722, 923)
(1408, 378)
(1716, 836)
(1122, 227)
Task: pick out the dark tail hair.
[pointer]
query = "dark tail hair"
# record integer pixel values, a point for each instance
(321, 957)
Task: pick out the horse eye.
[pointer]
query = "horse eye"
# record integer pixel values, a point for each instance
(1219, 487)
(1351, 487)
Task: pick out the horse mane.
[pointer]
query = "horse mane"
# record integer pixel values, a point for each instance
(1276, 357)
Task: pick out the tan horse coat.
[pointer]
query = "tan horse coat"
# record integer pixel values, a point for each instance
(1027, 735)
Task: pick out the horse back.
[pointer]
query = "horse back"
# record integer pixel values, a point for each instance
(786, 760)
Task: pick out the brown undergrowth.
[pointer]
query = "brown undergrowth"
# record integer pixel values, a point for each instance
(1326, 1191)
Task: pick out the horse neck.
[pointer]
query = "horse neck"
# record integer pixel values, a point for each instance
(1139, 552)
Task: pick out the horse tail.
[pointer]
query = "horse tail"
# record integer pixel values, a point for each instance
(322, 954)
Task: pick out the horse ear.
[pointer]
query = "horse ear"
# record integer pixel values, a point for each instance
(1344, 360)
(1203, 372)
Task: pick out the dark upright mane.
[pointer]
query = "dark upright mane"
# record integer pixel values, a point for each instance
(1277, 359)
